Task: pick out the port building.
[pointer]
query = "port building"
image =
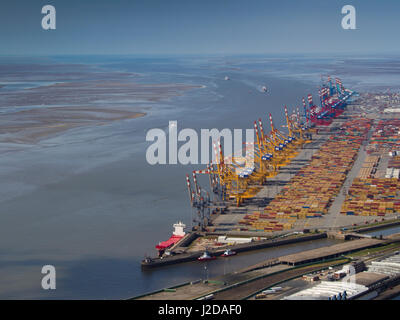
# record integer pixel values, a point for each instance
(329, 291)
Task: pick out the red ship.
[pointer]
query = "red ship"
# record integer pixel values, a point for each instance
(333, 101)
(177, 235)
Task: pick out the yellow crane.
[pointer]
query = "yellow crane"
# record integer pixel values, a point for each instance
(281, 142)
(295, 132)
(268, 159)
(235, 176)
(238, 177)
(276, 155)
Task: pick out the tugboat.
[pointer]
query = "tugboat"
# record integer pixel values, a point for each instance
(228, 253)
(205, 257)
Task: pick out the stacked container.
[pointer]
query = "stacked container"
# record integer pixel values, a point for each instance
(372, 197)
(310, 193)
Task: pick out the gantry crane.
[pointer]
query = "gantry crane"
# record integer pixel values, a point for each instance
(274, 153)
(239, 177)
(281, 142)
(235, 176)
(264, 167)
(200, 200)
(296, 131)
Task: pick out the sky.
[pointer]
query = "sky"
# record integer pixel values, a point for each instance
(198, 27)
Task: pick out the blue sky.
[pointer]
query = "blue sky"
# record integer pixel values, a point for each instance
(198, 27)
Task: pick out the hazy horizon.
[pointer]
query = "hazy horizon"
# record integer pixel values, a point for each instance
(178, 27)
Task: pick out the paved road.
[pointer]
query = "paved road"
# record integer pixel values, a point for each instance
(333, 216)
(334, 219)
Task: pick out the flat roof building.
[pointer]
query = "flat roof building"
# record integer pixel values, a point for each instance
(328, 252)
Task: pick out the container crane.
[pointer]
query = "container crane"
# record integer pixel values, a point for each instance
(282, 142)
(200, 202)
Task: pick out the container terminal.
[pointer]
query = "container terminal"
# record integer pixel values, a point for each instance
(334, 174)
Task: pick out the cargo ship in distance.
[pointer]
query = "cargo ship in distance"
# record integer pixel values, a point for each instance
(333, 100)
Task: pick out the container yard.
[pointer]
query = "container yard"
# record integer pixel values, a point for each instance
(373, 193)
(312, 190)
(336, 180)
(385, 137)
(341, 179)
(235, 180)
(373, 197)
(200, 150)
(369, 167)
